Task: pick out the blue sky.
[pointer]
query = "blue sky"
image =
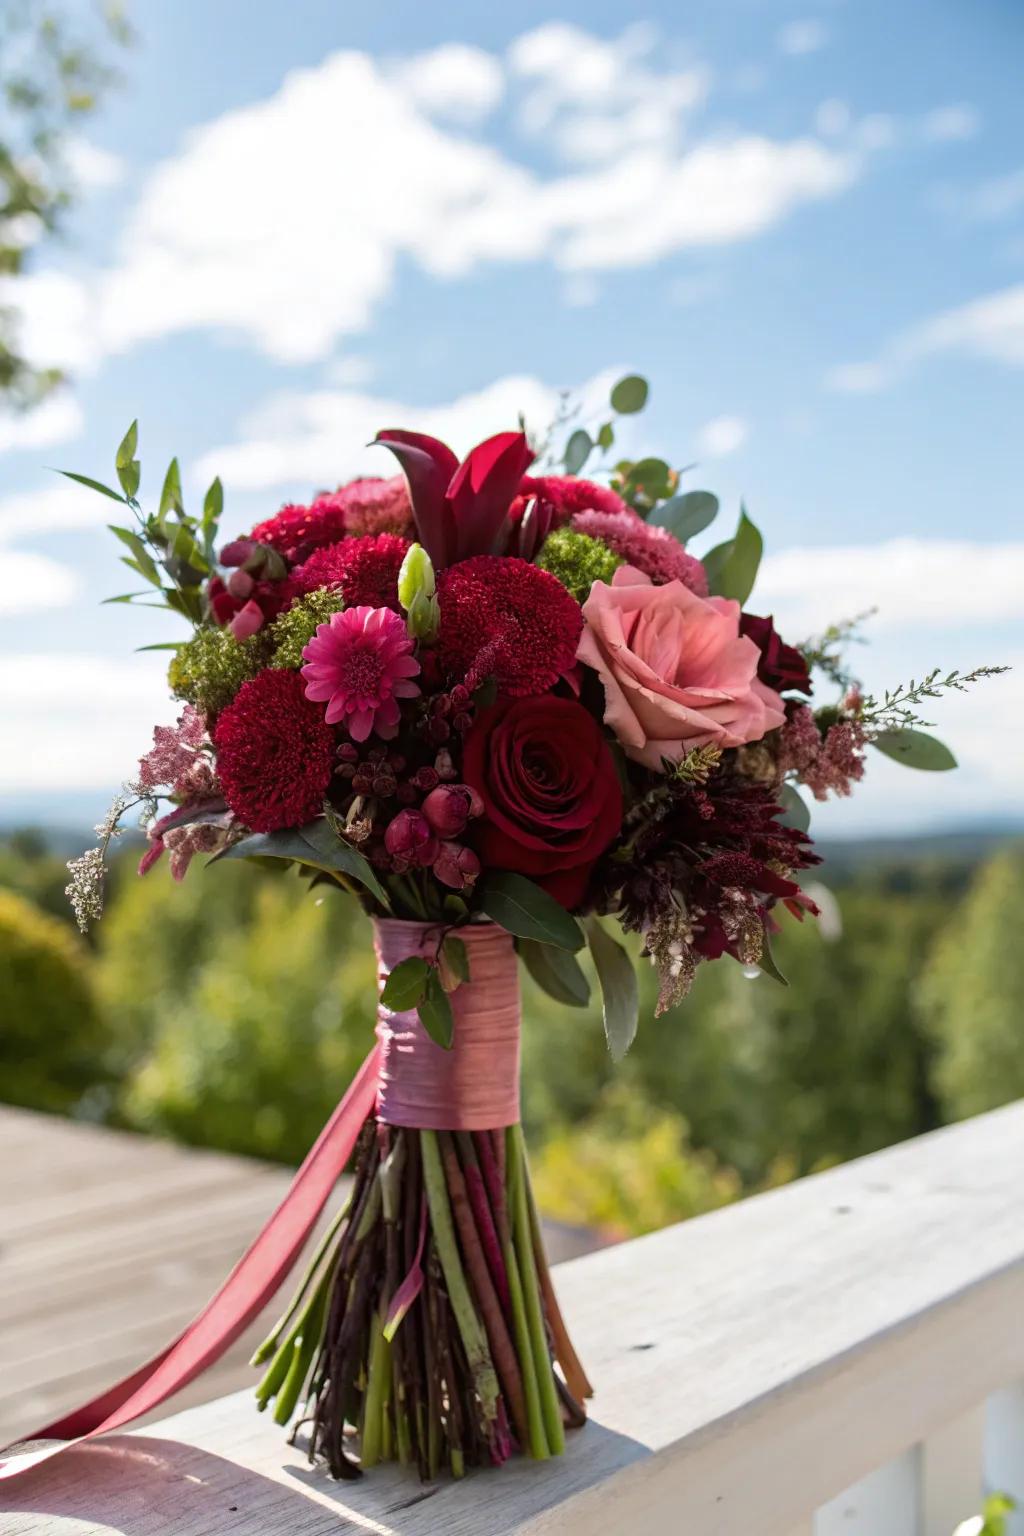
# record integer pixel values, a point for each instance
(804, 223)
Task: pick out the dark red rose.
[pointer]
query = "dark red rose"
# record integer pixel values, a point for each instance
(781, 667)
(551, 795)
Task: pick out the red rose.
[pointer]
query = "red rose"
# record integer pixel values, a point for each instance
(551, 795)
(781, 666)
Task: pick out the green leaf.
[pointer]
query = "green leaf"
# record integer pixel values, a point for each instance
(182, 546)
(165, 645)
(294, 845)
(457, 957)
(213, 505)
(795, 810)
(145, 564)
(629, 395)
(435, 1012)
(687, 515)
(556, 972)
(406, 986)
(618, 986)
(577, 451)
(126, 597)
(650, 476)
(768, 964)
(915, 749)
(170, 496)
(732, 567)
(93, 485)
(522, 908)
(334, 853)
(605, 436)
(125, 462)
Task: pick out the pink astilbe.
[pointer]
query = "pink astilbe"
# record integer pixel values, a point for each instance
(176, 760)
(360, 664)
(652, 550)
(829, 765)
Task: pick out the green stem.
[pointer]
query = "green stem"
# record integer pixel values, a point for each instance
(471, 1330)
(269, 1344)
(538, 1440)
(550, 1407)
(374, 1402)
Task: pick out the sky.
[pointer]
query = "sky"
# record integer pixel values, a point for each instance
(804, 223)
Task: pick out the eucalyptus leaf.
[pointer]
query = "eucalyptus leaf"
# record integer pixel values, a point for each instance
(521, 907)
(605, 436)
(732, 567)
(795, 810)
(768, 965)
(406, 985)
(915, 749)
(629, 395)
(556, 972)
(435, 1012)
(618, 987)
(93, 485)
(687, 515)
(577, 451)
(334, 853)
(456, 957)
(651, 476)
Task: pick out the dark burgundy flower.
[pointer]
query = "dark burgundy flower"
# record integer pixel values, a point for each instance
(551, 794)
(506, 619)
(275, 753)
(456, 866)
(782, 666)
(365, 569)
(410, 837)
(460, 509)
(245, 615)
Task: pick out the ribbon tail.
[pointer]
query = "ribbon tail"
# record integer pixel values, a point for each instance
(250, 1285)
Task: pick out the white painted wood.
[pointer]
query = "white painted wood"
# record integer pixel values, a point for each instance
(750, 1365)
(1004, 1447)
(951, 1472)
(885, 1503)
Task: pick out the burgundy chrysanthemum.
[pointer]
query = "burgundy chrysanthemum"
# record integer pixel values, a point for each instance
(506, 619)
(275, 753)
(652, 550)
(362, 507)
(365, 569)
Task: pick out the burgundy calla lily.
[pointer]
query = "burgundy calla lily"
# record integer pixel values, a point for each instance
(460, 509)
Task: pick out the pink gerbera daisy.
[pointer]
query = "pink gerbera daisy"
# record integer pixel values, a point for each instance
(360, 664)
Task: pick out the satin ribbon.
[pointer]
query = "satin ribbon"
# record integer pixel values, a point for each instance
(244, 1294)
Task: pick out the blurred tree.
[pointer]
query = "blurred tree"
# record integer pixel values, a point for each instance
(53, 1044)
(971, 991)
(54, 68)
(29, 867)
(627, 1170)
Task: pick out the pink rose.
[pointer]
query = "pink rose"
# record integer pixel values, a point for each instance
(677, 673)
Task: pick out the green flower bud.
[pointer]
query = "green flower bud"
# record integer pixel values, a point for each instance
(424, 617)
(415, 576)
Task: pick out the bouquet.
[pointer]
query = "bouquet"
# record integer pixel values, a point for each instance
(507, 710)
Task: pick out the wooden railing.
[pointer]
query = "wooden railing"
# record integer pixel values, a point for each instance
(844, 1355)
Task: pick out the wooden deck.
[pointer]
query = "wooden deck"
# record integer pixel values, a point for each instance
(109, 1244)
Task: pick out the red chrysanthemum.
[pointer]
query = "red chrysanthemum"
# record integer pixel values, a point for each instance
(366, 506)
(275, 753)
(654, 551)
(366, 570)
(506, 619)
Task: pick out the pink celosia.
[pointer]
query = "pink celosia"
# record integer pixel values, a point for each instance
(173, 761)
(360, 664)
(652, 550)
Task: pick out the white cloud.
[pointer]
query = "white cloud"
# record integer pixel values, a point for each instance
(990, 328)
(56, 507)
(206, 247)
(800, 37)
(58, 419)
(319, 438)
(720, 437)
(33, 582)
(998, 198)
(455, 81)
(81, 721)
(94, 169)
(916, 584)
(832, 118)
(581, 290)
(952, 124)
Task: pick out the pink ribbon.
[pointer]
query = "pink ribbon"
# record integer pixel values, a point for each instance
(474, 1086)
(244, 1294)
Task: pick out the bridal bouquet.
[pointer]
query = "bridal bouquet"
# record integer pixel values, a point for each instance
(507, 710)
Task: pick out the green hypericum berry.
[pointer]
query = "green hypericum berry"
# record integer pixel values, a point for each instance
(577, 561)
(295, 628)
(209, 669)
